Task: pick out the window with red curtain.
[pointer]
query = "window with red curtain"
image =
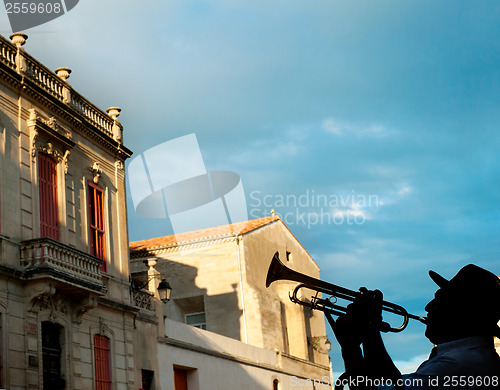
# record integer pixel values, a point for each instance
(96, 222)
(47, 179)
(102, 363)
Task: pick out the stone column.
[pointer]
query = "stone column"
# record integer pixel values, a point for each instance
(153, 276)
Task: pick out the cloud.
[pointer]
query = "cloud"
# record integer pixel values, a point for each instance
(359, 130)
(354, 212)
(410, 365)
(279, 145)
(404, 191)
(401, 192)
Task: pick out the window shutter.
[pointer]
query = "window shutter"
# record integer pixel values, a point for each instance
(102, 363)
(47, 179)
(96, 223)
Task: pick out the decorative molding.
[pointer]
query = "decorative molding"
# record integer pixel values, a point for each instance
(119, 165)
(45, 298)
(56, 135)
(104, 329)
(34, 136)
(83, 307)
(97, 171)
(55, 304)
(65, 160)
(49, 149)
(51, 122)
(40, 292)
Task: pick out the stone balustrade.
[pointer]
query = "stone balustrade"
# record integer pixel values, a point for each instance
(18, 60)
(45, 79)
(48, 254)
(7, 53)
(94, 115)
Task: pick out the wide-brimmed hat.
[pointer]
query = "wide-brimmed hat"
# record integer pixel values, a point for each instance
(479, 287)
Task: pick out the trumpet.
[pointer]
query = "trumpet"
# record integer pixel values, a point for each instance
(279, 271)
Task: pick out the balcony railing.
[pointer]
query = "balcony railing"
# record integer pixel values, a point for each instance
(55, 86)
(8, 53)
(143, 299)
(45, 255)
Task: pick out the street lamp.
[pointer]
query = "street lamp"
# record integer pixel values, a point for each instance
(164, 290)
(316, 341)
(328, 345)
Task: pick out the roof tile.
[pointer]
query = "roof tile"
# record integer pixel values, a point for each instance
(238, 228)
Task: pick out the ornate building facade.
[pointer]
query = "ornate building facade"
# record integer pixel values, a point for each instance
(65, 311)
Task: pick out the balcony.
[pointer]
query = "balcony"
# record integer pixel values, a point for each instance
(74, 270)
(143, 299)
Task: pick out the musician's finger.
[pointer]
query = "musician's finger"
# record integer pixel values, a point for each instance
(378, 295)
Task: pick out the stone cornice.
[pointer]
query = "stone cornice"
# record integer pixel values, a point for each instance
(32, 79)
(118, 306)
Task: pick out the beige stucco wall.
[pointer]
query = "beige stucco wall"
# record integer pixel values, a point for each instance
(215, 362)
(210, 275)
(266, 307)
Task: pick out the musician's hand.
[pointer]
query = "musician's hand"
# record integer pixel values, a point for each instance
(361, 325)
(367, 311)
(344, 331)
(362, 318)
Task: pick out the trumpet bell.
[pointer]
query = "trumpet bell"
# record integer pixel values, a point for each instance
(276, 270)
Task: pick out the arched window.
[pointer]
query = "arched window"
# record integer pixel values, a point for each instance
(51, 356)
(102, 363)
(275, 384)
(47, 182)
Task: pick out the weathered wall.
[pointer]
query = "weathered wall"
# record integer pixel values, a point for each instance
(272, 317)
(205, 279)
(215, 362)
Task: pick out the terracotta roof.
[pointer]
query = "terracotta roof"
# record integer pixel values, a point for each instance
(238, 228)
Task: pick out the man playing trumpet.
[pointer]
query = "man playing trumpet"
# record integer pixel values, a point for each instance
(461, 322)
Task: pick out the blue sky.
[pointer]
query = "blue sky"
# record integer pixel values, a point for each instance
(386, 98)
